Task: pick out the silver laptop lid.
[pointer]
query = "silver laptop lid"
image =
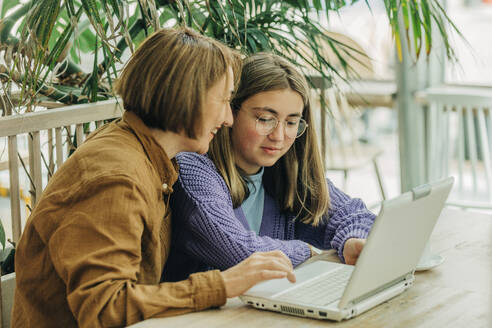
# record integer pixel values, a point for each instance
(397, 239)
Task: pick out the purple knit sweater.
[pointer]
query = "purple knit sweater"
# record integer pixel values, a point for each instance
(209, 233)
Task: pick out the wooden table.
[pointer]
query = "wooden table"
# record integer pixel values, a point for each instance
(455, 294)
(365, 93)
(370, 93)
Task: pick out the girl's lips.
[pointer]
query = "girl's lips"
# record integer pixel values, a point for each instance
(270, 150)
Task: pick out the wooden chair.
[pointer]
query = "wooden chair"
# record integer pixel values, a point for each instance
(7, 290)
(459, 141)
(339, 139)
(51, 135)
(342, 149)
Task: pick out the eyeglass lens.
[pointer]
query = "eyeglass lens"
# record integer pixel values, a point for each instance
(293, 128)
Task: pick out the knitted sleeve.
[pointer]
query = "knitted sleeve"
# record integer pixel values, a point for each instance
(211, 232)
(346, 218)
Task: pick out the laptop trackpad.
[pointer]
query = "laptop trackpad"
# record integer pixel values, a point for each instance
(306, 272)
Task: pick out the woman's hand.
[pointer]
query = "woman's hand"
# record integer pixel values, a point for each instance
(258, 267)
(352, 249)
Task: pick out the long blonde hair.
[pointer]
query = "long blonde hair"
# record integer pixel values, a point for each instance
(297, 179)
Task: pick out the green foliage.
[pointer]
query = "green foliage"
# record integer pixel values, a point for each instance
(43, 41)
(7, 5)
(2, 235)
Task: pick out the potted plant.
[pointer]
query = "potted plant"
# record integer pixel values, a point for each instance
(45, 43)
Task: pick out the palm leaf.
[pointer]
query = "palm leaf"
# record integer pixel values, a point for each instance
(283, 27)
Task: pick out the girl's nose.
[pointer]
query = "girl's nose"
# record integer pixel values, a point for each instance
(278, 133)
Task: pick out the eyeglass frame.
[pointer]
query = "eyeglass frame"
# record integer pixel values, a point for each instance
(284, 123)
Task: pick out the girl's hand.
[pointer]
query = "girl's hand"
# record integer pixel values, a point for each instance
(352, 249)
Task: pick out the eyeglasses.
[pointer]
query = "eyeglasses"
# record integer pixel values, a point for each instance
(294, 127)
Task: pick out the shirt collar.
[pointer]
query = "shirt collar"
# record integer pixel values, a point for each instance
(166, 168)
(257, 176)
(255, 181)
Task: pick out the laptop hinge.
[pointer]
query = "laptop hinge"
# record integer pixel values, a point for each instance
(407, 276)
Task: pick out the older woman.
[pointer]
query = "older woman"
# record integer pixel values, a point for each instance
(93, 249)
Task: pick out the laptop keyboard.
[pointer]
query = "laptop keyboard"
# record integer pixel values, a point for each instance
(321, 290)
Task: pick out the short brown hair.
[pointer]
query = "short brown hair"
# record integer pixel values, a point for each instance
(166, 79)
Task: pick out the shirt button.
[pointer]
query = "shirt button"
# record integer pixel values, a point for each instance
(164, 186)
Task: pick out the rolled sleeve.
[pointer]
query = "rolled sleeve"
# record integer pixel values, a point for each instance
(209, 289)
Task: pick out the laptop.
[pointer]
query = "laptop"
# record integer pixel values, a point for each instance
(385, 268)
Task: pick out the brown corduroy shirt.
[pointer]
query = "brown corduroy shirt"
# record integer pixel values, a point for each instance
(93, 249)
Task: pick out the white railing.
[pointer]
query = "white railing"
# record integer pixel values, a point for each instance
(459, 141)
(47, 131)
